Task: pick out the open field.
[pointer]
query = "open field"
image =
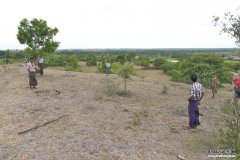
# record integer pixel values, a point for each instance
(101, 122)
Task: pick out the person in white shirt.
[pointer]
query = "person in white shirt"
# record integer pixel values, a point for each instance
(196, 95)
(40, 65)
(31, 71)
(108, 68)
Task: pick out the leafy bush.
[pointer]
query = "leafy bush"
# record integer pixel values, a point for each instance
(158, 62)
(235, 66)
(121, 59)
(115, 67)
(144, 61)
(54, 60)
(168, 66)
(91, 62)
(130, 57)
(72, 64)
(204, 65)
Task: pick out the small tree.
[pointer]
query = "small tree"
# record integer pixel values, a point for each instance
(37, 36)
(126, 72)
(158, 62)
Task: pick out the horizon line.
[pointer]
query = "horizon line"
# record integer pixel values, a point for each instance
(133, 48)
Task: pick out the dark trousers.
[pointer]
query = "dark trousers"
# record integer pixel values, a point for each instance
(193, 113)
(32, 79)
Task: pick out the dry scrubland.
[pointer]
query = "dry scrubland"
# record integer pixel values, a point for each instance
(102, 122)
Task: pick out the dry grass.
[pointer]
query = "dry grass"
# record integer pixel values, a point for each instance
(99, 121)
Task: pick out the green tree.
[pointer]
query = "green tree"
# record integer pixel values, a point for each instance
(37, 36)
(229, 24)
(121, 59)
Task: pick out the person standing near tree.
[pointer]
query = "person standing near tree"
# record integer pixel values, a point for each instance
(196, 95)
(31, 71)
(108, 68)
(40, 65)
(214, 84)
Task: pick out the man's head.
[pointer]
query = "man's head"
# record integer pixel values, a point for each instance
(193, 77)
(213, 75)
(31, 59)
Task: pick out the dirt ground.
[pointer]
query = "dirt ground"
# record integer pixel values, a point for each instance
(101, 122)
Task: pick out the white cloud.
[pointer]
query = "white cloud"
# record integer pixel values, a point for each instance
(121, 23)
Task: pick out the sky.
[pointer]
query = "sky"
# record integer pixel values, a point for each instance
(121, 23)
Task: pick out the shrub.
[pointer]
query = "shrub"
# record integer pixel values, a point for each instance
(168, 66)
(54, 60)
(144, 61)
(121, 59)
(115, 67)
(204, 65)
(158, 62)
(235, 66)
(91, 62)
(72, 64)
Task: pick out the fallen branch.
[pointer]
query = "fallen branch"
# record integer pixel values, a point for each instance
(36, 127)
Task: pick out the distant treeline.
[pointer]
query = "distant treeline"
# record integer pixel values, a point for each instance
(174, 53)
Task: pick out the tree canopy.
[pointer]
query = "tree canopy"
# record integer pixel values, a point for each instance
(229, 24)
(37, 35)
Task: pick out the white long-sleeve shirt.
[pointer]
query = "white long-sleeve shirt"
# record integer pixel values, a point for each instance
(40, 60)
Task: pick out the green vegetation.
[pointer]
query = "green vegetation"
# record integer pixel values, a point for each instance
(126, 71)
(229, 132)
(91, 62)
(72, 64)
(158, 62)
(143, 61)
(37, 36)
(229, 135)
(230, 24)
(204, 65)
